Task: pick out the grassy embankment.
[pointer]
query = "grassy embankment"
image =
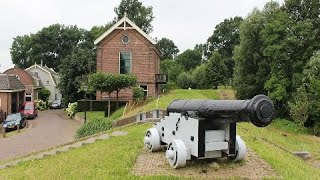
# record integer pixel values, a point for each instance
(114, 158)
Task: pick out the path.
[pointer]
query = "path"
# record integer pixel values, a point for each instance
(49, 129)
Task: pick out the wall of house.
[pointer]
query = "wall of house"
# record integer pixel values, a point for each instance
(5, 102)
(144, 57)
(46, 81)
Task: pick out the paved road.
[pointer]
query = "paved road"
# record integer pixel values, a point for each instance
(49, 129)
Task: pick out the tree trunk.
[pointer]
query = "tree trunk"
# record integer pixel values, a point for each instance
(117, 105)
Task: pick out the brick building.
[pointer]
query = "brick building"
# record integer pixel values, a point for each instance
(126, 49)
(12, 93)
(31, 83)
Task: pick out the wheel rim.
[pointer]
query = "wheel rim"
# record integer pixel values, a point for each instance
(152, 140)
(241, 149)
(176, 153)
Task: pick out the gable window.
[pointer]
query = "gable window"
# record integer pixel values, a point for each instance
(125, 62)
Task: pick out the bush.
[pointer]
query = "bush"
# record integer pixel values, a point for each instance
(72, 109)
(44, 94)
(96, 125)
(168, 87)
(41, 105)
(185, 81)
(138, 93)
(299, 106)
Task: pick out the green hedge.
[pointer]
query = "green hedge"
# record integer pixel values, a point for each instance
(96, 125)
(96, 105)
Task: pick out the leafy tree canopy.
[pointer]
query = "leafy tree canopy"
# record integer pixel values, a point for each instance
(189, 59)
(167, 48)
(141, 15)
(215, 70)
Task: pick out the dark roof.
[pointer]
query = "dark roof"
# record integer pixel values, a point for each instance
(10, 82)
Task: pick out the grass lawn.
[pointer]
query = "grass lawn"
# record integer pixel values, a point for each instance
(91, 114)
(166, 99)
(109, 159)
(114, 158)
(286, 164)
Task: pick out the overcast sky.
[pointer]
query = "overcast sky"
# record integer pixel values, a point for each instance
(185, 22)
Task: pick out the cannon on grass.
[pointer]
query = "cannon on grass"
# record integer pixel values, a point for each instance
(203, 129)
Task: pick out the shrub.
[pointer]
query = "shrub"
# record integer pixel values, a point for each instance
(138, 93)
(41, 105)
(185, 81)
(44, 94)
(72, 109)
(96, 125)
(299, 106)
(168, 87)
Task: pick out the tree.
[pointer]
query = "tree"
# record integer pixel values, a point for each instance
(44, 94)
(185, 81)
(141, 15)
(216, 70)
(104, 83)
(74, 68)
(299, 106)
(49, 45)
(97, 31)
(123, 81)
(200, 77)
(225, 37)
(172, 69)
(189, 59)
(167, 48)
(20, 51)
(251, 67)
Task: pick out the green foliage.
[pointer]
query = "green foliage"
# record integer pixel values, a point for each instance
(72, 109)
(50, 45)
(97, 31)
(200, 77)
(289, 126)
(94, 126)
(169, 86)
(189, 59)
(172, 69)
(123, 81)
(138, 93)
(215, 70)
(141, 15)
(299, 106)
(44, 94)
(185, 81)
(167, 48)
(74, 68)
(41, 105)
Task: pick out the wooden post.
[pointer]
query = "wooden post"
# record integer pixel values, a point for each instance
(3, 132)
(18, 128)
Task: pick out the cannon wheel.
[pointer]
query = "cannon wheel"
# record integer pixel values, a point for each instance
(241, 149)
(152, 140)
(176, 153)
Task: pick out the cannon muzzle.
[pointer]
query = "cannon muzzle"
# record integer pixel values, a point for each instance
(259, 110)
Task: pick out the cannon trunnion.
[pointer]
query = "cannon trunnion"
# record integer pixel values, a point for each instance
(200, 129)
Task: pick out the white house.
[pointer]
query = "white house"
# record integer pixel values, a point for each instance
(49, 79)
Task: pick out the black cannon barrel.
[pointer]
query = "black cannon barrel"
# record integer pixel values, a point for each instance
(259, 110)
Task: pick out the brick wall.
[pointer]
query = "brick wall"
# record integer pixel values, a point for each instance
(144, 57)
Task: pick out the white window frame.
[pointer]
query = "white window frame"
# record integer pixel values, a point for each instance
(145, 90)
(130, 60)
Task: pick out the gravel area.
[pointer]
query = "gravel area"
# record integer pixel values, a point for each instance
(253, 167)
(49, 129)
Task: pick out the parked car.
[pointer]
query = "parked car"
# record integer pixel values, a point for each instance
(14, 120)
(29, 110)
(56, 104)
